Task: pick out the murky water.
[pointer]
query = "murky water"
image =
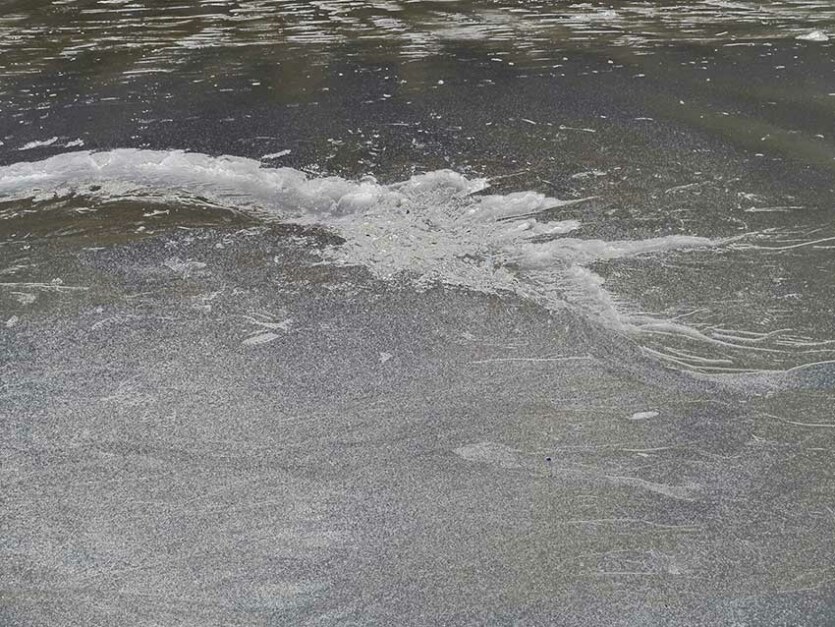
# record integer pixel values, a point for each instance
(417, 312)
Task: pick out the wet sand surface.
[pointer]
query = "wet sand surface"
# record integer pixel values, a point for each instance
(233, 395)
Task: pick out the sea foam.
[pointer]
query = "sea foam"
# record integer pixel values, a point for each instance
(437, 227)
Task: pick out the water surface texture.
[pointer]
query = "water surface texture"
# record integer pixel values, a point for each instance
(417, 313)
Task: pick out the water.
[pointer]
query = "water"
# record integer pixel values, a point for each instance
(417, 312)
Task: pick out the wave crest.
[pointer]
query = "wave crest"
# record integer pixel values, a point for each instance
(434, 227)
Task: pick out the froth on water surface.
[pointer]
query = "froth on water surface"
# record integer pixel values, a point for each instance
(332, 313)
(434, 228)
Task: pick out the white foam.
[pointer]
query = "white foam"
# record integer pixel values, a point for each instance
(432, 227)
(38, 144)
(276, 155)
(229, 181)
(582, 251)
(817, 36)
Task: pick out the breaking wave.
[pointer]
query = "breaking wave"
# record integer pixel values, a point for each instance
(438, 227)
(433, 227)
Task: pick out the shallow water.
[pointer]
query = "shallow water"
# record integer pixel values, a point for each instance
(417, 312)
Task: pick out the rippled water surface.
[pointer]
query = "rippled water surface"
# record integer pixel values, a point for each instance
(147, 37)
(405, 312)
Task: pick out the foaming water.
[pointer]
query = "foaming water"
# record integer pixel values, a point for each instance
(432, 227)
(438, 227)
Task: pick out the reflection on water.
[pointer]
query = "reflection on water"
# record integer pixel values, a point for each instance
(125, 38)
